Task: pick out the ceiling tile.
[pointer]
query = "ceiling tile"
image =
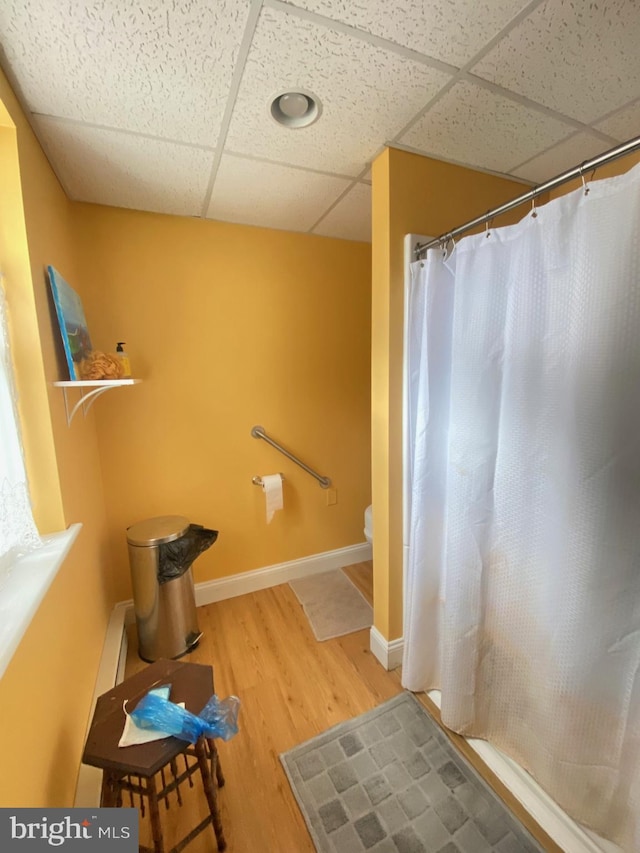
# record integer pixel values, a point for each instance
(152, 66)
(350, 219)
(130, 81)
(367, 95)
(450, 30)
(578, 58)
(476, 126)
(125, 170)
(253, 192)
(567, 154)
(623, 125)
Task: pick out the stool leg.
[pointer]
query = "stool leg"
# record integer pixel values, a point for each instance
(107, 797)
(154, 815)
(215, 762)
(174, 771)
(210, 793)
(219, 773)
(164, 785)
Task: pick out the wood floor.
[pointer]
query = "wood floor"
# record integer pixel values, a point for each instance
(291, 688)
(361, 576)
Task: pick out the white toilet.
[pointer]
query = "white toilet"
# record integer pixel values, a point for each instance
(368, 524)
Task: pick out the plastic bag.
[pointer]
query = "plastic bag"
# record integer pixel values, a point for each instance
(176, 557)
(218, 718)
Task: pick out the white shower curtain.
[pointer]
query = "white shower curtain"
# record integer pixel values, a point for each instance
(522, 594)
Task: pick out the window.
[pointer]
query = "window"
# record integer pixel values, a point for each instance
(18, 533)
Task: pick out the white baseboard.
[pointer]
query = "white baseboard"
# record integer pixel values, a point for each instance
(567, 834)
(234, 585)
(231, 586)
(110, 673)
(388, 652)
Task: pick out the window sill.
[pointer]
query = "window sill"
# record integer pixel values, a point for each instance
(26, 586)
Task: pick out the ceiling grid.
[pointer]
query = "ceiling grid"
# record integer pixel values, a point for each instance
(163, 105)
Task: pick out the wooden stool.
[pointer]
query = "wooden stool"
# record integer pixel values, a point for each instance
(192, 684)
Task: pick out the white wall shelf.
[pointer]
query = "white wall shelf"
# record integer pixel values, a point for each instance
(90, 390)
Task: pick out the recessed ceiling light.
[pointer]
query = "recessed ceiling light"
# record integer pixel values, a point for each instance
(295, 109)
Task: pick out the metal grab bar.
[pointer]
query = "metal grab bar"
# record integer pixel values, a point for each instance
(258, 432)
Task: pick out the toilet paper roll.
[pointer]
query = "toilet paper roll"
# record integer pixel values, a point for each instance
(272, 487)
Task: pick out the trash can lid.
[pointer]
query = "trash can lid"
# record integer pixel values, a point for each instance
(155, 531)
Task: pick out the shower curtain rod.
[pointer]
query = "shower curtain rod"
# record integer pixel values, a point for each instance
(577, 172)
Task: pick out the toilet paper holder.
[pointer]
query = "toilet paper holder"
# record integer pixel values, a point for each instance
(257, 480)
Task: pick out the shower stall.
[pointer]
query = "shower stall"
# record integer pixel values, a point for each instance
(521, 534)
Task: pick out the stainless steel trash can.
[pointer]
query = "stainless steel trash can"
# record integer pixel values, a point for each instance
(165, 612)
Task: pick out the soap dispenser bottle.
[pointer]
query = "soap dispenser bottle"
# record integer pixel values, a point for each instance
(124, 359)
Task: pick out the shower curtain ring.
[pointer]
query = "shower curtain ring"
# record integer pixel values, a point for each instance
(444, 245)
(584, 184)
(487, 233)
(534, 212)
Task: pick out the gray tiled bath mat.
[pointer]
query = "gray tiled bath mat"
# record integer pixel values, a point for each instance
(389, 781)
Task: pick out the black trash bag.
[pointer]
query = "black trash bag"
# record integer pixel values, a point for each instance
(177, 556)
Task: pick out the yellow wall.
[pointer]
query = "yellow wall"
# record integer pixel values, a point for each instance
(45, 693)
(411, 194)
(230, 326)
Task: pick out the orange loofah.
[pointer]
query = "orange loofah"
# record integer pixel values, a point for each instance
(101, 365)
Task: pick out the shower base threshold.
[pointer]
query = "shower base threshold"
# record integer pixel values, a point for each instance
(571, 836)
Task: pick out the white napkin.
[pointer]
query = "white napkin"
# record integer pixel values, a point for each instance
(132, 734)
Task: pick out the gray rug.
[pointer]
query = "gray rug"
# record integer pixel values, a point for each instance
(333, 605)
(389, 781)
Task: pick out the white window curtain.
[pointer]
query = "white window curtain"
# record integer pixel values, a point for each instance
(523, 575)
(18, 533)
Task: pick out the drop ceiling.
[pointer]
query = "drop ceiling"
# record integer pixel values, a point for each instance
(163, 105)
